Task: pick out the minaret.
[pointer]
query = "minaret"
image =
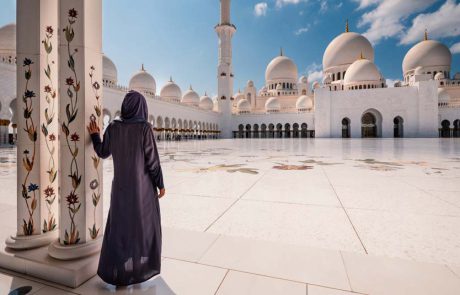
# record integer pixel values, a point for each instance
(225, 30)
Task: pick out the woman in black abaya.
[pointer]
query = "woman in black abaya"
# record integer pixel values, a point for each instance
(131, 249)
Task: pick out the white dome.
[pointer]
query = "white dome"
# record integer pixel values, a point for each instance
(206, 103)
(272, 104)
(443, 96)
(316, 85)
(439, 76)
(304, 102)
(362, 70)
(142, 81)
(109, 72)
(250, 83)
(428, 53)
(8, 39)
(243, 106)
(281, 68)
(171, 91)
(345, 49)
(191, 97)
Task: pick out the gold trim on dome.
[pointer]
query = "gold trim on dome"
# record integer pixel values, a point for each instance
(347, 28)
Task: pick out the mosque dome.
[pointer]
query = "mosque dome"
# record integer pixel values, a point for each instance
(362, 70)
(427, 54)
(443, 96)
(171, 91)
(439, 76)
(316, 85)
(8, 38)
(304, 103)
(206, 103)
(243, 106)
(191, 97)
(345, 49)
(250, 83)
(281, 68)
(109, 72)
(142, 81)
(272, 105)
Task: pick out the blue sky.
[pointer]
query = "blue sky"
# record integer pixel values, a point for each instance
(176, 37)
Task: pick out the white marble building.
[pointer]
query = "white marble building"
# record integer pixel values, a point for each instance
(353, 99)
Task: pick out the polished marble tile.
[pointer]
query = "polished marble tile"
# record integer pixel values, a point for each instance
(427, 238)
(250, 284)
(381, 275)
(314, 226)
(9, 283)
(301, 264)
(186, 245)
(317, 290)
(192, 212)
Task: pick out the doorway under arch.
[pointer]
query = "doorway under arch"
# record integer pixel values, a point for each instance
(398, 129)
(457, 128)
(346, 128)
(445, 128)
(371, 123)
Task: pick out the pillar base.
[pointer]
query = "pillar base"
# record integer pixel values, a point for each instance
(31, 242)
(61, 252)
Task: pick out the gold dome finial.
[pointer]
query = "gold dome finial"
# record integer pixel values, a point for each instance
(170, 79)
(361, 56)
(426, 35)
(142, 68)
(347, 28)
(281, 51)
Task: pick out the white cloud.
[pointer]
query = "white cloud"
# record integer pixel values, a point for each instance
(281, 3)
(444, 22)
(455, 49)
(386, 19)
(323, 6)
(314, 72)
(260, 9)
(366, 3)
(302, 30)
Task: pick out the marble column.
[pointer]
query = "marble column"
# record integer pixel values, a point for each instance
(37, 125)
(80, 81)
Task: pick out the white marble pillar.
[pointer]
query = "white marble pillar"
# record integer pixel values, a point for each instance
(37, 124)
(80, 80)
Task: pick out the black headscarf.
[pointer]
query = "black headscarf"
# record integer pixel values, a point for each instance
(134, 108)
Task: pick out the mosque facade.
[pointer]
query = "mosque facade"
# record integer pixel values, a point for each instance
(353, 99)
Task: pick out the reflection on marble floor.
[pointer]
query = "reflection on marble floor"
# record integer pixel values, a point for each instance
(395, 198)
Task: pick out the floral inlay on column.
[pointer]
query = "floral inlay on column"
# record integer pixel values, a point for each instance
(28, 160)
(73, 88)
(49, 224)
(95, 184)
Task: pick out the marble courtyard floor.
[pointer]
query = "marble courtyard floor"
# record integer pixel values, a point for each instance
(285, 216)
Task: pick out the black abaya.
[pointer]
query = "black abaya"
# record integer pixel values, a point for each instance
(131, 249)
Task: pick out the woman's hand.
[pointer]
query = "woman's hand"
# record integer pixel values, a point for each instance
(93, 128)
(162, 193)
